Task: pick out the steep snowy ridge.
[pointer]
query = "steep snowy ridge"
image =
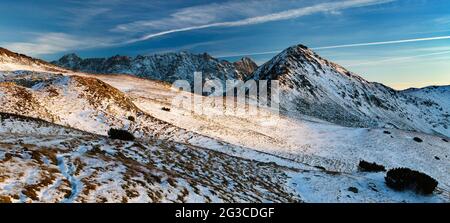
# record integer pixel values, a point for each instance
(313, 86)
(166, 67)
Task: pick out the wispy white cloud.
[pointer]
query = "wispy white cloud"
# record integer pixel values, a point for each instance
(397, 59)
(347, 46)
(200, 15)
(196, 23)
(445, 20)
(49, 43)
(85, 15)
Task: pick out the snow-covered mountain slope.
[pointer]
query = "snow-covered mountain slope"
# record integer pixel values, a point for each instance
(314, 143)
(43, 162)
(432, 95)
(57, 164)
(20, 100)
(91, 105)
(167, 67)
(313, 86)
(10, 61)
(82, 102)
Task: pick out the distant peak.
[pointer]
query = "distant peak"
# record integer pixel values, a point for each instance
(299, 48)
(71, 56)
(246, 59)
(302, 46)
(140, 57)
(303, 53)
(119, 57)
(206, 54)
(246, 66)
(180, 53)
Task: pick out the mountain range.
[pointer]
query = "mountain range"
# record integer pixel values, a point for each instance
(166, 67)
(311, 86)
(55, 119)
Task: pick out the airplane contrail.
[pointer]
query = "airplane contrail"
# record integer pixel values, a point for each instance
(383, 43)
(348, 45)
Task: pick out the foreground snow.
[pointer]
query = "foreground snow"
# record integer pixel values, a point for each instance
(296, 160)
(43, 162)
(311, 142)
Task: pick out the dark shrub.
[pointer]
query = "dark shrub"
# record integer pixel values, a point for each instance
(417, 139)
(131, 118)
(165, 109)
(445, 140)
(353, 189)
(404, 178)
(371, 167)
(120, 134)
(386, 132)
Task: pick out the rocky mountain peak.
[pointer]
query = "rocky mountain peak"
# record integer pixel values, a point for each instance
(299, 59)
(302, 54)
(246, 66)
(70, 58)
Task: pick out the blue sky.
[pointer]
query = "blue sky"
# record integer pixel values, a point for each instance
(412, 37)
